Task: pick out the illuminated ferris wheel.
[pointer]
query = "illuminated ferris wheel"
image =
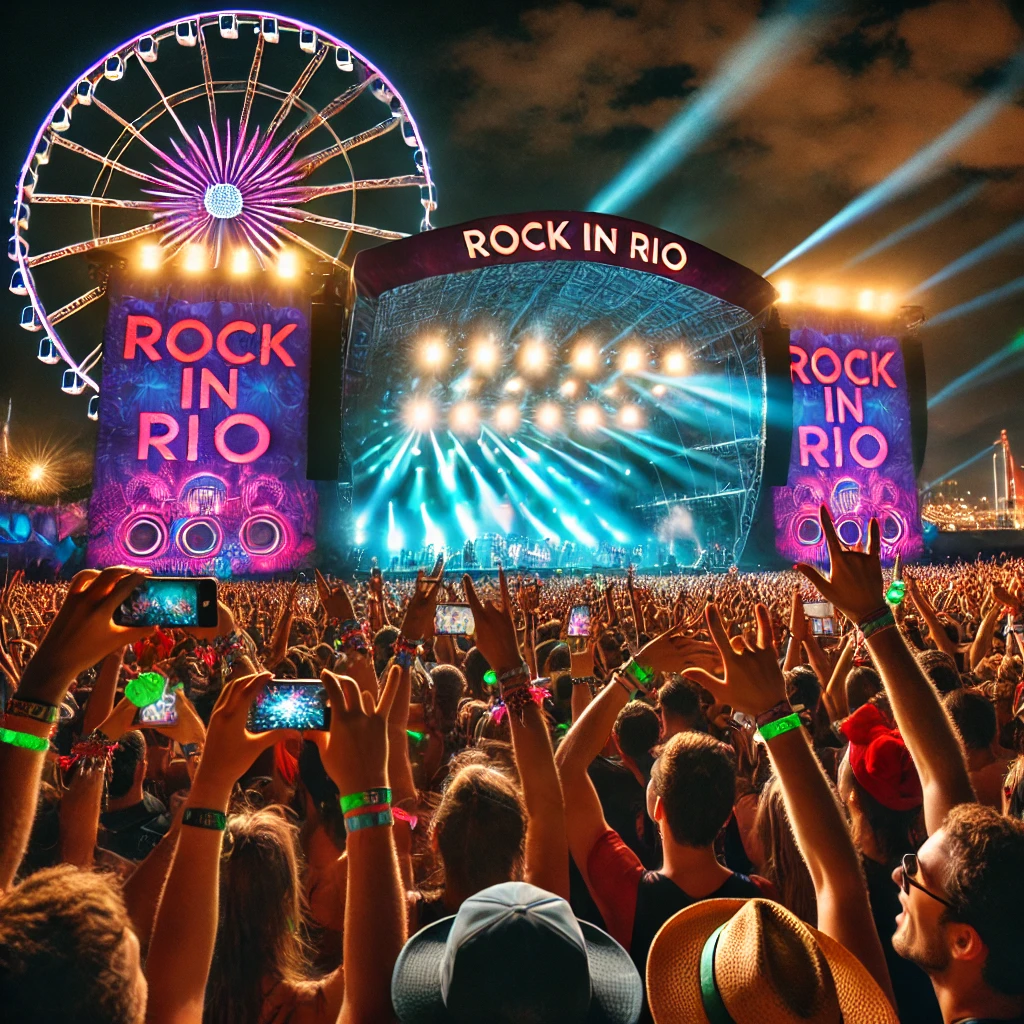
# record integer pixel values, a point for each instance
(233, 140)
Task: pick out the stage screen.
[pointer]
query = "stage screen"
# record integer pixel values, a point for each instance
(552, 412)
(201, 452)
(851, 441)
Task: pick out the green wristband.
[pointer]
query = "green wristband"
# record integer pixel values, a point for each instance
(25, 740)
(770, 730)
(203, 817)
(368, 798)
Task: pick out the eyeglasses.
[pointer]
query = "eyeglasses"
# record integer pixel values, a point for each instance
(908, 875)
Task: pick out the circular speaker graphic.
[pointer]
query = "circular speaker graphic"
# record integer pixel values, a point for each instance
(891, 527)
(808, 531)
(200, 537)
(262, 535)
(144, 536)
(850, 531)
(846, 496)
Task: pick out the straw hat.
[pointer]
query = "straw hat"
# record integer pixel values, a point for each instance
(753, 962)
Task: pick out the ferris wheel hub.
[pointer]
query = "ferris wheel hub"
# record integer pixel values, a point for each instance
(223, 201)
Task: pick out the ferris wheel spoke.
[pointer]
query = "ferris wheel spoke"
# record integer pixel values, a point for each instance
(95, 243)
(342, 225)
(336, 106)
(305, 193)
(74, 147)
(76, 304)
(47, 198)
(307, 245)
(307, 165)
(211, 98)
(296, 89)
(170, 110)
(133, 131)
(250, 92)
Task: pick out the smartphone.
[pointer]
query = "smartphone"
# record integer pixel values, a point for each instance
(161, 712)
(822, 616)
(454, 620)
(290, 704)
(579, 620)
(170, 601)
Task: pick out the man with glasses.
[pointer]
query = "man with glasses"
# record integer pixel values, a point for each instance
(962, 894)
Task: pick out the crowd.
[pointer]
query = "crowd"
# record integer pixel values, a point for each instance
(704, 810)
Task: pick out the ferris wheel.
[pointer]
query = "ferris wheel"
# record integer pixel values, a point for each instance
(226, 140)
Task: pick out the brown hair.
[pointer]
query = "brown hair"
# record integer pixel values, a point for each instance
(63, 935)
(695, 776)
(783, 866)
(260, 931)
(986, 852)
(480, 828)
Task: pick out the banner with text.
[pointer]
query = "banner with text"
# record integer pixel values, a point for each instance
(201, 453)
(851, 445)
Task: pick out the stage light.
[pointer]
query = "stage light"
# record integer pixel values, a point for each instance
(675, 362)
(548, 416)
(195, 258)
(433, 354)
(886, 302)
(585, 357)
(514, 385)
(828, 297)
(534, 357)
(590, 416)
(630, 417)
(240, 261)
(484, 356)
(36, 472)
(612, 390)
(631, 360)
(287, 264)
(464, 418)
(420, 414)
(659, 390)
(785, 290)
(866, 301)
(569, 388)
(507, 417)
(151, 257)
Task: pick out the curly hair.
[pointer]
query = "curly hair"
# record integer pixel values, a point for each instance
(986, 852)
(63, 936)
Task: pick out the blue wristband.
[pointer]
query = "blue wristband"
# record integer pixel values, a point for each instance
(355, 822)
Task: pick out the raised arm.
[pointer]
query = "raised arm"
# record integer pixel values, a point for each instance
(982, 643)
(931, 618)
(547, 862)
(754, 684)
(854, 586)
(835, 690)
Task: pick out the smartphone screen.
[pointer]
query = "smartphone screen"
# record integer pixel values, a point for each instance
(170, 601)
(162, 712)
(290, 704)
(579, 620)
(453, 620)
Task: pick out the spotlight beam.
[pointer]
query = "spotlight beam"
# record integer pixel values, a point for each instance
(922, 165)
(956, 469)
(1011, 236)
(977, 374)
(926, 220)
(745, 69)
(980, 302)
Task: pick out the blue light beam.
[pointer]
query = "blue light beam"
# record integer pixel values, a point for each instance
(956, 469)
(745, 69)
(919, 167)
(922, 223)
(1011, 236)
(976, 374)
(980, 302)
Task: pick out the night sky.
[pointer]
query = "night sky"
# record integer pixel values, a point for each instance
(539, 105)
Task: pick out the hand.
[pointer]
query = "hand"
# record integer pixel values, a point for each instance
(189, 728)
(418, 623)
(495, 632)
(581, 661)
(337, 601)
(854, 583)
(797, 619)
(83, 632)
(120, 720)
(673, 652)
(753, 681)
(355, 751)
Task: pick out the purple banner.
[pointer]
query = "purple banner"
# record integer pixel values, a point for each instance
(851, 445)
(201, 454)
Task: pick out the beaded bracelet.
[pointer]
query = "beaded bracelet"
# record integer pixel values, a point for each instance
(367, 798)
(355, 822)
(584, 681)
(91, 752)
(352, 637)
(878, 620)
(34, 709)
(25, 740)
(770, 730)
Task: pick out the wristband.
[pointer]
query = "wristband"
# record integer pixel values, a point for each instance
(360, 821)
(631, 691)
(522, 669)
(878, 620)
(25, 740)
(202, 817)
(638, 674)
(34, 709)
(584, 681)
(406, 650)
(774, 713)
(367, 798)
(770, 730)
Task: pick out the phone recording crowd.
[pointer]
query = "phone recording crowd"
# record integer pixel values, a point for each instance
(724, 798)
